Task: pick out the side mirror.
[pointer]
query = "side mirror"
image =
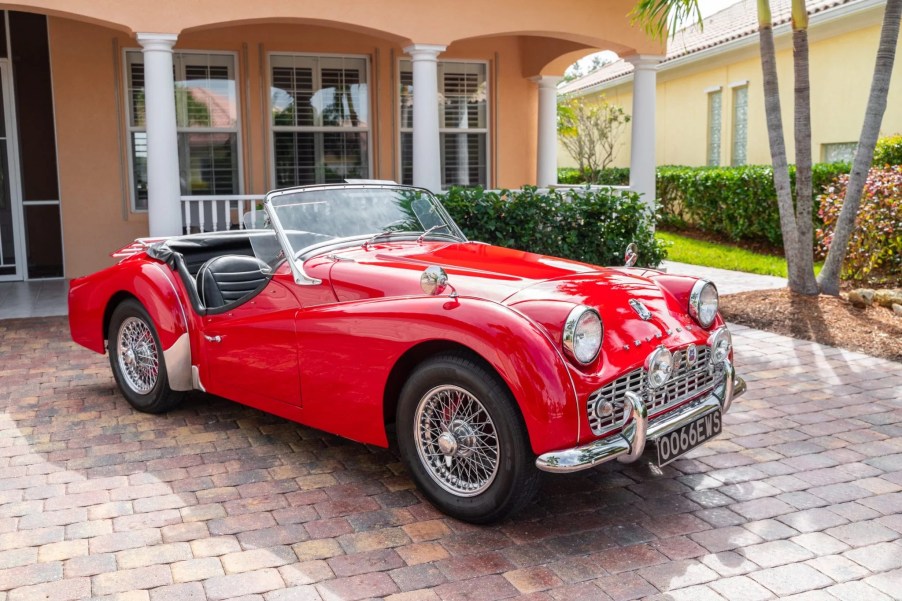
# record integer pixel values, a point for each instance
(434, 280)
(631, 255)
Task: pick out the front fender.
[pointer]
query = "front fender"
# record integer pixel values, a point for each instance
(93, 298)
(347, 352)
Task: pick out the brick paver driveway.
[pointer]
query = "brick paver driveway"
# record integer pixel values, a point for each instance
(801, 494)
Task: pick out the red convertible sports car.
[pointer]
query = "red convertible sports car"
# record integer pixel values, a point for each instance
(350, 308)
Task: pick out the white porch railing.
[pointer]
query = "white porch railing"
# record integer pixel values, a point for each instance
(222, 213)
(218, 213)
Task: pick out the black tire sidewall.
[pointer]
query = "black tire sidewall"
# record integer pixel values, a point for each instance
(515, 456)
(154, 401)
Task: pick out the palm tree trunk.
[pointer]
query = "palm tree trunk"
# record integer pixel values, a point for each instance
(864, 154)
(791, 243)
(802, 132)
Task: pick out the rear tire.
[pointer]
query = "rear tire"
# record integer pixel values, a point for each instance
(136, 358)
(462, 437)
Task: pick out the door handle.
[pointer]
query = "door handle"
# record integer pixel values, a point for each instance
(213, 338)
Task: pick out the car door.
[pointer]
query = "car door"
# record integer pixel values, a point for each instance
(250, 351)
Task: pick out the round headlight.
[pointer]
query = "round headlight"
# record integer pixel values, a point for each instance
(659, 366)
(703, 301)
(721, 341)
(583, 332)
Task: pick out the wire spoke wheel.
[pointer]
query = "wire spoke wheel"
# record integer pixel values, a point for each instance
(139, 360)
(456, 440)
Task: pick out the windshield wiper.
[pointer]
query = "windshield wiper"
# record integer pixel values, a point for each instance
(432, 229)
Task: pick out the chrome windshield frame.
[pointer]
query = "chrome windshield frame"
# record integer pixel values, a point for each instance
(292, 256)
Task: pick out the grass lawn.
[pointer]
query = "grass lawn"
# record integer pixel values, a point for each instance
(724, 256)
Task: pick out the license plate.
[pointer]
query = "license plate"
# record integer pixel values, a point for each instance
(682, 440)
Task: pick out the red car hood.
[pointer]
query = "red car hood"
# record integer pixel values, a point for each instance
(474, 269)
(544, 288)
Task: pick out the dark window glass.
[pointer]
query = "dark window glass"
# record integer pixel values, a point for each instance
(3, 34)
(43, 242)
(34, 104)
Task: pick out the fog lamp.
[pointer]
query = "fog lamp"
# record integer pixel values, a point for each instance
(659, 366)
(721, 343)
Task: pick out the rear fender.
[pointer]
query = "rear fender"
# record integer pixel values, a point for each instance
(347, 352)
(92, 300)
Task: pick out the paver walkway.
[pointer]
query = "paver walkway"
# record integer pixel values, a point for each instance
(802, 494)
(728, 282)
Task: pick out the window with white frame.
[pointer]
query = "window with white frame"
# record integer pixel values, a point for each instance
(715, 106)
(320, 119)
(463, 123)
(839, 152)
(739, 154)
(206, 112)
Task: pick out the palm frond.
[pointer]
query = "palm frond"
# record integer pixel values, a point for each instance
(662, 18)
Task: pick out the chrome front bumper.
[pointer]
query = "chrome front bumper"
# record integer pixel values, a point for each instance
(629, 444)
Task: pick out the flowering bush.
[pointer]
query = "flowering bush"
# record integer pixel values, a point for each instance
(876, 242)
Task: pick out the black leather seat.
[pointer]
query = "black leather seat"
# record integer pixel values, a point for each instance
(229, 278)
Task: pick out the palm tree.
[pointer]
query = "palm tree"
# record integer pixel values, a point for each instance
(864, 154)
(795, 221)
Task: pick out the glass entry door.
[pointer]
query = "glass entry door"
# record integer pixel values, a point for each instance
(10, 204)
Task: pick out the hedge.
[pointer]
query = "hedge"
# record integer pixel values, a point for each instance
(737, 202)
(584, 225)
(614, 176)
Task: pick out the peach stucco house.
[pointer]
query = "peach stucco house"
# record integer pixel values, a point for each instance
(123, 119)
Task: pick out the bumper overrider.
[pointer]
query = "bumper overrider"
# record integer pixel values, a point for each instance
(629, 444)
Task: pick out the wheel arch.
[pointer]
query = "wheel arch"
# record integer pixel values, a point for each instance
(411, 359)
(154, 290)
(117, 299)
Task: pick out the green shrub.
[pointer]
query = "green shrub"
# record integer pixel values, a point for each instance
(580, 224)
(888, 151)
(876, 241)
(612, 176)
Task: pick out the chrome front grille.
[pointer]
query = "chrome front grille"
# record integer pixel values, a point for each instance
(687, 381)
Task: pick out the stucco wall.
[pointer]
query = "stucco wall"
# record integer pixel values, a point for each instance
(93, 145)
(841, 67)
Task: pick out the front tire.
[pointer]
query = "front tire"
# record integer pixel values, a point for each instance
(461, 436)
(136, 358)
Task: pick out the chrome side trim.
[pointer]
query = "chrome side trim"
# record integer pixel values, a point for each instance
(630, 443)
(195, 379)
(178, 363)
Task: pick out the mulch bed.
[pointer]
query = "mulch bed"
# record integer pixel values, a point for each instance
(825, 319)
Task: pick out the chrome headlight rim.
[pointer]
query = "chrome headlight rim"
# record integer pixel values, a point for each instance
(715, 341)
(695, 308)
(650, 367)
(571, 333)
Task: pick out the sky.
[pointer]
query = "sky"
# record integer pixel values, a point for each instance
(708, 7)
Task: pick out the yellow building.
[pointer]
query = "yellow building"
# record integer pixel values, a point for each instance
(710, 98)
(121, 119)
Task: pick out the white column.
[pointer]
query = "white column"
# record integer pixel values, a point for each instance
(164, 204)
(427, 156)
(546, 147)
(642, 150)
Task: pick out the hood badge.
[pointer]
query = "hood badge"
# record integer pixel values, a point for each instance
(640, 309)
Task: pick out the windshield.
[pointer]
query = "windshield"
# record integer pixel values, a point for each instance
(316, 215)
